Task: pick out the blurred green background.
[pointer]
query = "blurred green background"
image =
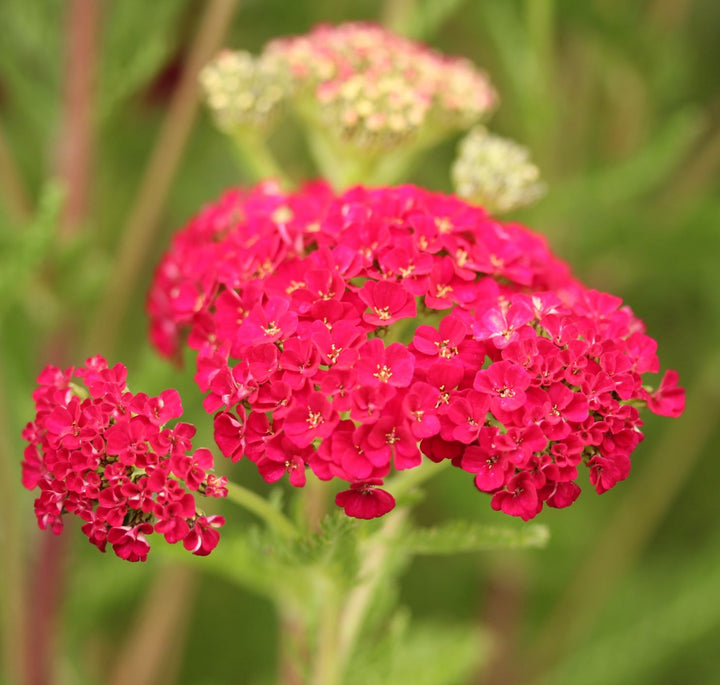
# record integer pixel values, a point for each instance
(103, 150)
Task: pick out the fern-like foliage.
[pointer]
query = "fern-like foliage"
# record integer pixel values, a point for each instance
(468, 536)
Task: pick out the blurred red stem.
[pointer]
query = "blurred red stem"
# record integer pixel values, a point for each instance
(74, 168)
(293, 648)
(75, 164)
(142, 224)
(145, 656)
(43, 622)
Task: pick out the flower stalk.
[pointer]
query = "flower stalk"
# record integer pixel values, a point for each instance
(262, 508)
(327, 668)
(357, 604)
(257, 157)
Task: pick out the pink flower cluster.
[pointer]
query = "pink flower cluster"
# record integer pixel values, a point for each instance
(368, 80)
(354, 334)
(107, 456)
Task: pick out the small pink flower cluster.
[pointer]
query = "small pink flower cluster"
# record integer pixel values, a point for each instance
(107, 456)
(371, 80)
(519, 374)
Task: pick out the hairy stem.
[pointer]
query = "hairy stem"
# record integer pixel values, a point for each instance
(328, 664)
(358, 602)
(405, 481)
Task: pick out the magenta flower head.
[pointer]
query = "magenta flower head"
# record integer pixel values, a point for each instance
(109, 457)
(359, 334)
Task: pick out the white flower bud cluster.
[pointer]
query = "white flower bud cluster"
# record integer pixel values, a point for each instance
(243, 91)
(495, 172)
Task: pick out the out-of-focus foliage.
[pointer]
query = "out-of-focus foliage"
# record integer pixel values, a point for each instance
(618, 103)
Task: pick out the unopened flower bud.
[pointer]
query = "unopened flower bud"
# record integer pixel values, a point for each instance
(243, 91)
(495, 172)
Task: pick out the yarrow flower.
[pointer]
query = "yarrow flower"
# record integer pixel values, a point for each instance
(359, 334)
(243, 91)
(376, 88)
(106, 455)
(357, 82)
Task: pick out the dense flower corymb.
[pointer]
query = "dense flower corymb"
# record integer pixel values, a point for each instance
(357, 82)
(108, 456)
(373, 85)
(352, 335)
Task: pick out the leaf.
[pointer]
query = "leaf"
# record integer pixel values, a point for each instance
(334, 547)
(247, 559)
(28, 248)
(429, 653)
(465, 536)
(271, 565)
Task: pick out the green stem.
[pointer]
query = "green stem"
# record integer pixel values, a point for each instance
(323, 155)
(292, 643)
(328, 666)
(262, 508)
(257, 157)
(316, 497)
(371, 574)
(540, 27)
(407, 480)
(341, 165)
